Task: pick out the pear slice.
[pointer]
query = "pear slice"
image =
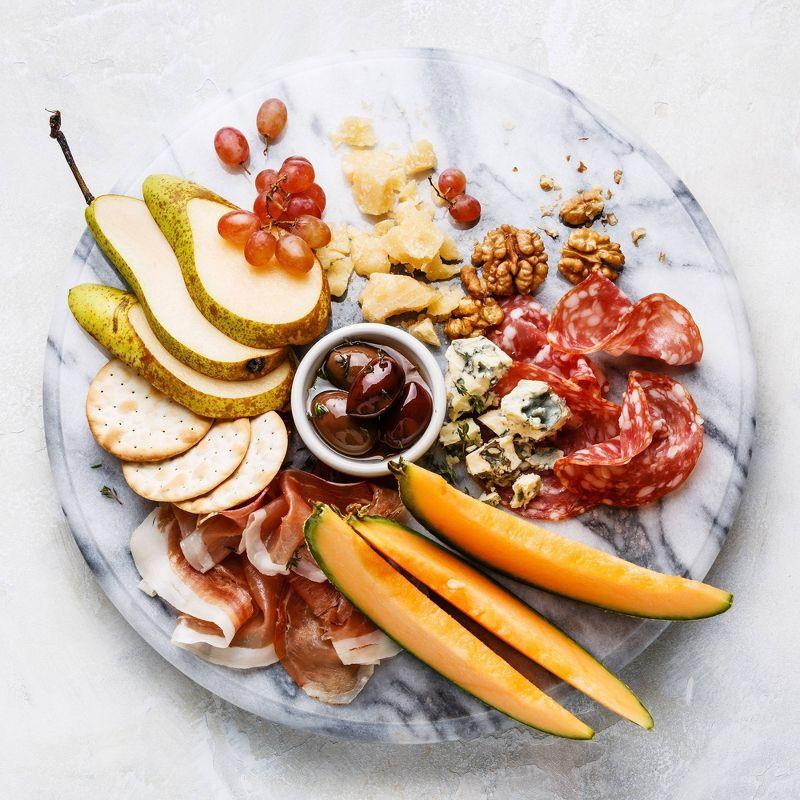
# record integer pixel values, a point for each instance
(134, 244)
(257, 306)
(118, 322)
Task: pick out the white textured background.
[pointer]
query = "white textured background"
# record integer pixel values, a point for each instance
(87, 711)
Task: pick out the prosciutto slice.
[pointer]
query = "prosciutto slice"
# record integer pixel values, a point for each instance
(355, 639)
(216, 596)
(300, 489)
(596, 316)
(310, 657)
(254, 642)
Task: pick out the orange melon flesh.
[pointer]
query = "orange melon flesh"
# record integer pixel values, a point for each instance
(501, 613)
(417, 624)
(537, 556)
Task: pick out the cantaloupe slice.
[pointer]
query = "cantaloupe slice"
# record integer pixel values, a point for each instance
(501, 613)
(417, 624)
(545, 559)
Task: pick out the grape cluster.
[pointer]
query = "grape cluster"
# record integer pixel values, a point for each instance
(463, 208)
(285, 222)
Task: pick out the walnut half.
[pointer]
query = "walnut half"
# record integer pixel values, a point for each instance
(589, 251)
(513, 261)
(583, 208)
(472, 316)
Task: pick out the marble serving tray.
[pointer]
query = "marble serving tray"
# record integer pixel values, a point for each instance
(504, 127)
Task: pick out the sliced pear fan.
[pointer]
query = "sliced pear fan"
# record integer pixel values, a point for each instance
(116, 320)
(258, 306)
(133, 242)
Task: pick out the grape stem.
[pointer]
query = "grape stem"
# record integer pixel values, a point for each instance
(441, 196)
(57, 134)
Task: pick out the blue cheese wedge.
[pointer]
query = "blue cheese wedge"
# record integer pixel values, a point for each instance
(462, 434)
(525, 489)
(533, 411)
(491, 497)
(496, 462)
(474, 366)
(539, 459)
(495, 421)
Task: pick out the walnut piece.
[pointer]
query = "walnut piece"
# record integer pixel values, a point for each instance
(589, 251)
(637, 234)
(472, 316)
(513, 261)
(617, 176)
(583, 208)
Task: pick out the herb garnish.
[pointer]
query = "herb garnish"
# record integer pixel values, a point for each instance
(111, 493)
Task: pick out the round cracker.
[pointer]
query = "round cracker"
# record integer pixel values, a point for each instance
(197, 471)
(265, 454)
(133, 421)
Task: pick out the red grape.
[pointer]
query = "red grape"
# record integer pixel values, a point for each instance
(236, 226)
(312, 230)
(299, 205)
(294, 158)
(466, 209)
(270, 206)
(271, 118)
(260, 248)
(266, 179)
(452, 182)
(297, 176)
(231, 146)
(316, 194)
(293, 253)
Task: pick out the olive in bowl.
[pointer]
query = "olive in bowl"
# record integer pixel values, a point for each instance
(407, 421)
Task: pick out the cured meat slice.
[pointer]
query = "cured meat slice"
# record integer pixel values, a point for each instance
(523, 335)
(355, 639)
(218, 596)
(302, 488)
(523, 331)
(254, 642)
(309, 657)
(660, 441)
(206, 542)
(596, 316)
(256, 537)
(594, 420)
(303, 564)
(580, 401)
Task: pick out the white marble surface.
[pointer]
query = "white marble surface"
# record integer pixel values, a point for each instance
(89, 710)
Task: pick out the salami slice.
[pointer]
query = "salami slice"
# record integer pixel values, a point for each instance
(523, 331)
(593, 420)
(554, 501)
(523, 335)
(581, 402)
(596, 316)
(659, 443)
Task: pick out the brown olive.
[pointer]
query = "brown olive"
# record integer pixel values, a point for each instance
(376, 387)
(346, 361)
(345, 434)
(408, 418)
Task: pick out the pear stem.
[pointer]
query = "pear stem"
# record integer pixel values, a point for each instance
(57, 134)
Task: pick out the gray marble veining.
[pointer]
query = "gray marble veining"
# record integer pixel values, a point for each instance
(504, 127)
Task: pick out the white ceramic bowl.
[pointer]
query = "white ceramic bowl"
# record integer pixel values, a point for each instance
(378, 334)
